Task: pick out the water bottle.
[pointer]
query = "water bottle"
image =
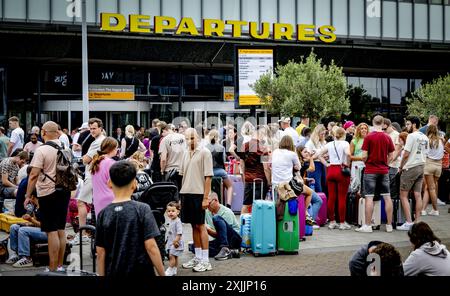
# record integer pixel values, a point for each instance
(29, 208)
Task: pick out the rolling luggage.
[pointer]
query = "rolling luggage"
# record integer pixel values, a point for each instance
(352, 207)
(217, 187)
(308, 228)
(238, 193)
(246, 230)
(301, 216)
(39, 254)
(376, 216)
(383, 212)
(287, 231)
(263, 225)
(321, 218)
(398, 215)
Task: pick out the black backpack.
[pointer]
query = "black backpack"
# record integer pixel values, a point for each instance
(66, 175)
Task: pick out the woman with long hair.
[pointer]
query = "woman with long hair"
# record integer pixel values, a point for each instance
(314, 145)
(356, 155)
(130, 143)
(219, 159)
(143, 179)
(100, 165)
(430, 257)
(247, 131)
(432, 170)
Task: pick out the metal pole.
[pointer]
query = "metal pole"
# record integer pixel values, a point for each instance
(39, 106)
(84, 62)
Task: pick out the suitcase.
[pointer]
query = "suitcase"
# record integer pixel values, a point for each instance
(308, 228)
(6, 220)
(246, 230)
(263, 225)
(217, 187)
(301, 216)
(287, 231)
(383, 212)
(321, 218)
(376, 216)
(39, 254)
(352, 208)
(398, 214)
(238, 193)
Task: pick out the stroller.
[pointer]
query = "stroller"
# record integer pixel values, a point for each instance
(157, 196)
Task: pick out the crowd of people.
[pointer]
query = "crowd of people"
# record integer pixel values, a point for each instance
(380, 160)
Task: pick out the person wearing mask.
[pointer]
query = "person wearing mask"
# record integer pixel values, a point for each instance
(377, 153)
(349, 127)
(394, 164)
(130, 143)
(432, 170)
(9, 169)
(430, 257)
(219, 159)
(171, 150)
(100, 165)
(412, 169)
(290, 131)
(4, 143)
(356, 156)
(432, 120)
(337, 182)
(314, 145)
(31, 146)
(17, 135)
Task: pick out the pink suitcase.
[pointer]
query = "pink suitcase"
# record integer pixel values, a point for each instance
(238, 193)
(301, 216)
(322, 215)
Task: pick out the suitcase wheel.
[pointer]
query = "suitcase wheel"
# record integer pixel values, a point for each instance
(273, 254)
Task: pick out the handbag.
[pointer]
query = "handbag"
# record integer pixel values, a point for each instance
(344, 168)
(296, 184)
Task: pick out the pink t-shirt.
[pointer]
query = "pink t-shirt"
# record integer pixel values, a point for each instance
(102, 194)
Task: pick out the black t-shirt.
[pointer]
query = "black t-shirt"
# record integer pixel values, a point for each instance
(85, 140)
(122, 229)
(348, 138)
(132, 145)
(154, 147)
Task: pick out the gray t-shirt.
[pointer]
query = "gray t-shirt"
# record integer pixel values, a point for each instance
(122, 229)
(175, 228)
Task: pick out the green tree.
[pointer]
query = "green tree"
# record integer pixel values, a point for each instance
(307, 88)
(432, 98)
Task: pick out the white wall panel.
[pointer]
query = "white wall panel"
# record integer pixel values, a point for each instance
(447, 23)
(151, 8)
(405, 21)
(250, 10)
(287, 12)
(436, 19)
(192, 9)
(389, 19)
(305, 11)
(39, 10)
(128, 7)
(171, 8)
(212, 9)
(340, 17)
(269, 11)
(420, 21)
(231, 9)
(15, 9)
(357, 14)
(323, 12)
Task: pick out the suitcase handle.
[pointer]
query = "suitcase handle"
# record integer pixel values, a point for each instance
(254, 187)
(92, 229)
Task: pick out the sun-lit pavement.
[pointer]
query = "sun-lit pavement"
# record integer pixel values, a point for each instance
(327, 252)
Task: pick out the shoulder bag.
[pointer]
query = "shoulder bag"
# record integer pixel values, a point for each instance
(344, 168)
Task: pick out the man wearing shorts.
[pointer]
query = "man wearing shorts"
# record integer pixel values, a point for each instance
(377, 150)
(53, 204)
(412, 169)
(197, 172)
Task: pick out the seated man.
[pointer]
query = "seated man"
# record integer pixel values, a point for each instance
(223, 228)
(9, 169)
(22, 234)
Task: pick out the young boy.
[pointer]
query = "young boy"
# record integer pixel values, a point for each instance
(126, 230)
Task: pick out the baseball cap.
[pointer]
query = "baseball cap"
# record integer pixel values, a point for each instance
(84, 126)
(285, 119)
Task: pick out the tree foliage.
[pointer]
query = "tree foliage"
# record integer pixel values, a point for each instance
(432, 98)
(307, 88)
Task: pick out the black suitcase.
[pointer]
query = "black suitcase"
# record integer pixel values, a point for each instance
(39, 254)
(352, 208)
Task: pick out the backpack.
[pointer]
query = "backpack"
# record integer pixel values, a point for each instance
(66, 175)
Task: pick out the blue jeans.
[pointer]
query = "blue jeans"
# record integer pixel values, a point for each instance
(318, 175)
(316, 204)
(20, 237)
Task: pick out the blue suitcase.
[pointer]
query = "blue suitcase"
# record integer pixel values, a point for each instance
(263, 226)
(246, 230)
(308, 228)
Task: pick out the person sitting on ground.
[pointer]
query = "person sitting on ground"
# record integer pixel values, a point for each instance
(391, 264)
(9, 169)
(126, 230)
(223, 229)
(430, 257)
(21, 235)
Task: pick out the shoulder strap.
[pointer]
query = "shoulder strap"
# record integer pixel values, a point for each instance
(54, 145)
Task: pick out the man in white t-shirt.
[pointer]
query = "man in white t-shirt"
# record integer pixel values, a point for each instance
(76, 148)
(289, 131)
(17, 135)
(171, 150)
(395, 163)
(412, 169)
(63, 138)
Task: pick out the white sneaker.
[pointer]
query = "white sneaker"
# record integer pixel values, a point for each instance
(23, 262)
(191, 263)
(13, 258)
(389, 228)
(203, 266)
(345, 226)
(170, 272)
(423, 213)
(364, 229)
(316, 227)
(76, 240)
(333, 225)
(405, 226)
(433, 213)
(440, 202)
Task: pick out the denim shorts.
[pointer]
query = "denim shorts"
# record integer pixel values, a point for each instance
(376, 183)
(219, 172)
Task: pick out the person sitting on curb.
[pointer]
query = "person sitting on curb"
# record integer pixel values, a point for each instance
(21, 234)
(390, 260)
(430, 257)
(222, 226)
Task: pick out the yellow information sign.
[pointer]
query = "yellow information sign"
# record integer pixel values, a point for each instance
(111, 92)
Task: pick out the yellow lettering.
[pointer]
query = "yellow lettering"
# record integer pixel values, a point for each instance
(164, 23)
(254, 30)
(105, 22)
(282, 30)
(136, 23)
(187, 26)
(213, 26)
(327, 31)
(306, 33)
(236, 27)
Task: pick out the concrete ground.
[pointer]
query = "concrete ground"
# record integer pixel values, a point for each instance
(326, 253)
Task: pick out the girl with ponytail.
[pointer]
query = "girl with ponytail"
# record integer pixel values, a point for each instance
(101, 162)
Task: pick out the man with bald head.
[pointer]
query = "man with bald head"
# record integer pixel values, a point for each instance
(53, 204)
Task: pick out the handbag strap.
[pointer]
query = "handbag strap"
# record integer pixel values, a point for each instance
(337, 154)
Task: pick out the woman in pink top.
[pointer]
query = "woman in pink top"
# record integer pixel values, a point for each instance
(102, 161)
